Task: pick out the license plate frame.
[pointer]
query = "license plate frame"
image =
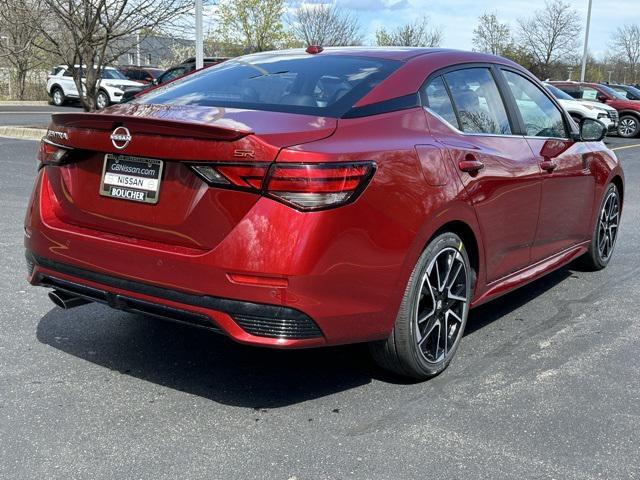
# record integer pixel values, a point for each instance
(122, 184)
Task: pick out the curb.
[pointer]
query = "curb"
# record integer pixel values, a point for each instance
(25, 103)
(23, 133)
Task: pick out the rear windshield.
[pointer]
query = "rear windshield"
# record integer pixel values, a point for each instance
(308, 84)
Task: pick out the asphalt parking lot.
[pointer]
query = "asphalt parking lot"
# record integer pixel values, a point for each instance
(545, 384)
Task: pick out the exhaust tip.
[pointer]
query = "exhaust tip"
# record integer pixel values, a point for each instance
(65, 300)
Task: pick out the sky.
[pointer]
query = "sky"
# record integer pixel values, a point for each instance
(458, 18)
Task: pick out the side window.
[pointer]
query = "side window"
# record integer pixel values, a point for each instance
(589, 93)
(67, 73)
(573, 91)
(439, 102)
(477, 99)
(171, 74)
(540, 115)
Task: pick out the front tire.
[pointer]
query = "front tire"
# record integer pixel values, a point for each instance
(433, 312)
(605, 232)
(629, 126)
(102, 100)
(57, 97)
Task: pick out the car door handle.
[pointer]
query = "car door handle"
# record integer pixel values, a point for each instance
(548, 165)
(470, 164)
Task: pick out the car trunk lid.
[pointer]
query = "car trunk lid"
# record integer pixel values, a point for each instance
(187, 212)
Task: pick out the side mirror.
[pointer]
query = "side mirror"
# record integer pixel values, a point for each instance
(592, 130)
(154, 82)
(601, 98)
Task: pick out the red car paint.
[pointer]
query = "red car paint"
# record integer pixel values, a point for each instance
(347, 267)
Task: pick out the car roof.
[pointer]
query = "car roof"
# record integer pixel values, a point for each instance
(390, 53)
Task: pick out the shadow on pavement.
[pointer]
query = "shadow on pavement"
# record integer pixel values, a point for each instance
(211, 366)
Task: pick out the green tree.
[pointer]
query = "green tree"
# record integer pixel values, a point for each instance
(256, 25)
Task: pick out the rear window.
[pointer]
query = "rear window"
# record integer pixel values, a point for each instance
(307, 84)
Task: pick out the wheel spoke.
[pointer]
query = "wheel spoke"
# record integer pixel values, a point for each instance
(444, 286)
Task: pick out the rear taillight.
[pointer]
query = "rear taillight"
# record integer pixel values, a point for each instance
(303, 186)
(318, 186)
(51, 154)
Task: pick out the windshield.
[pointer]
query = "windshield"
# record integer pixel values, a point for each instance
(113, 74)
(308, 84)
(612, 93)
(556, 92)
(635, 91)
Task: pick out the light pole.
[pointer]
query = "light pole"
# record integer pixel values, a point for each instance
(586, 44)
(199, 40)
(570, 69)
(610, 72)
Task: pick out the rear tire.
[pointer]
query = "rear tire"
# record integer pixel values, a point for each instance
(629, 126)
(102, 100)
(605, 232)
(57, 97)
(433, 312)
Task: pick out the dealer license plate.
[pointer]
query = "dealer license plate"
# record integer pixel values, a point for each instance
(131, 178)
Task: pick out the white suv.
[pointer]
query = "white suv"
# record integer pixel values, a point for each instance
(579, 109)
(111, 86)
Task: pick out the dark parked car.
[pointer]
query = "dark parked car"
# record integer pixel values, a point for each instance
(632, 93)
(628, 110)
(295, 200)
(144, 75)
(188, 66)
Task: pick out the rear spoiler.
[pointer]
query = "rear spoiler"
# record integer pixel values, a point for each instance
(218, 129)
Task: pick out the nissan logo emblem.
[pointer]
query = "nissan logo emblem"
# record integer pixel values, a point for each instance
(120, 137)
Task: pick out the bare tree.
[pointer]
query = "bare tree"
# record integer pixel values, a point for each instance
(19, 36)
(95, 33)
(551, 34)
(626, 43)
(254, 24)
(325, 24)
(492, 36)
(417, 34)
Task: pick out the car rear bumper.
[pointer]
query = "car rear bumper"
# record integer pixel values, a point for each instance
(271, 325)
(321, 286)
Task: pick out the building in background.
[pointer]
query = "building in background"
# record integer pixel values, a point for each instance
(154, 51)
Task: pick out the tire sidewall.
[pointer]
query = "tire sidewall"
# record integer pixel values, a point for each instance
(440, 242)
(53, 97)
(637, 122)
(594, 247)
(106, 97)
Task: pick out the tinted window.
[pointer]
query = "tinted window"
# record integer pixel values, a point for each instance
(611, 92)
(556, 92)
(112, 74)
(477, 99)
(308, 84)
(540, 115)
(572, 91)
(171, 74)
(439, 102)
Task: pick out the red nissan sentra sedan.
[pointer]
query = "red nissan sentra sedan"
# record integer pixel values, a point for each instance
(308, 198)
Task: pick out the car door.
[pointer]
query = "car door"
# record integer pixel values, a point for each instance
(568, 185)
(68, 84)
(494, 163)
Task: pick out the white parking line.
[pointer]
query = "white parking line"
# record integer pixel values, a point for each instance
(625, 147)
